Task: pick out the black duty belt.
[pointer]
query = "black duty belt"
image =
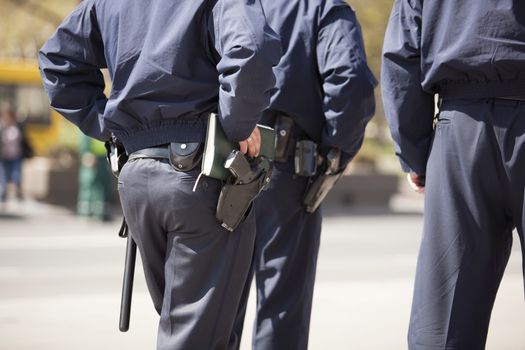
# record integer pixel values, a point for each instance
(512, 98)
(182, 156)
(161, 152)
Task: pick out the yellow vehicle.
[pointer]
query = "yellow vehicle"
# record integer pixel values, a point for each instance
(21, 88)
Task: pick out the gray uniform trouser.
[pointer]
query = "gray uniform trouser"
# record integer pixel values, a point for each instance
(195, 270)
(474, 199)
(285, 260)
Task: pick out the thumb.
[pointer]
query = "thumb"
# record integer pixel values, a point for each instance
(243, 145)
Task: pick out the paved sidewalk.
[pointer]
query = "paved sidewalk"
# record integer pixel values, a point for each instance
(60, 280)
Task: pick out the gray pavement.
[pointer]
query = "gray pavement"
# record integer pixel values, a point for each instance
(60, 280)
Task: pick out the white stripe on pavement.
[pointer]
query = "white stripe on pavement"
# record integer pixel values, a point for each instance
(61, 242)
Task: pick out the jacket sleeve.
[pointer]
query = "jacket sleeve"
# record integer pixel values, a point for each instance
(248, 50)
(70, 63)
(348, 83)
(409, 109)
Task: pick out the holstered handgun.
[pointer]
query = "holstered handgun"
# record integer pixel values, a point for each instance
(245, 183)
(324, 182)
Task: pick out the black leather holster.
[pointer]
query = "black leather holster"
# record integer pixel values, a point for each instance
(235, 200)
(323, 183)
(244, 184)
(319, 189)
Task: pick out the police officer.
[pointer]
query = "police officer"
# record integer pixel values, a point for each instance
(469, 161)
(325, 86)
(171, 63)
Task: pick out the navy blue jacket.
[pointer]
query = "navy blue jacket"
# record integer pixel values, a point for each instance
(454, 48)
(170, 63)
(323, 81)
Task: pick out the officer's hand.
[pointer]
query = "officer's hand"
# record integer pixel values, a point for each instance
(417, 182)
(252, 145)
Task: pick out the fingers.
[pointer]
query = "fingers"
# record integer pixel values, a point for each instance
(243, 146)
(252, 145)
(414, 180)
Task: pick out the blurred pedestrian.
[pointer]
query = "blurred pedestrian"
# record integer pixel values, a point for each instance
(3, 182)
(324, 97)
(469, 159)
(12, 150)
(94, 190)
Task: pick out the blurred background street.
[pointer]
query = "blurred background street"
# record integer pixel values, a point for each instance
(60, 280)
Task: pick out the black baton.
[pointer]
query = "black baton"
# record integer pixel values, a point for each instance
(127, 285)
(117, 157)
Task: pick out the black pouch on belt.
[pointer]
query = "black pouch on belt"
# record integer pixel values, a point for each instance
(185, 156)
(283, 141)
(305, 158)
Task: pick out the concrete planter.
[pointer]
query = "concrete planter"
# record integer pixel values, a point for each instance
(364, 189)
(49, 181)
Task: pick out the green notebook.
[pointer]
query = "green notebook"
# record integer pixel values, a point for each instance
(218, 147)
